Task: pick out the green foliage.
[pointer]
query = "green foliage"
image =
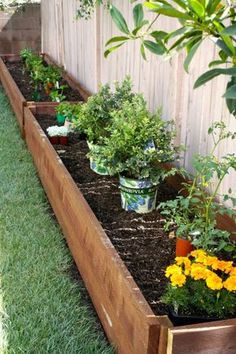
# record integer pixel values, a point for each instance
(197, 211)
(43, 309)
(69, 110)
(48, 77)
(137, 141)
(96, 115)
(195, 298)
(198, 20)
(87, 7)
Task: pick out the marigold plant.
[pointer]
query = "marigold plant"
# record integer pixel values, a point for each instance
(202, 284)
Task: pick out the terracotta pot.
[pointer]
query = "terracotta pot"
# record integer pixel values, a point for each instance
(183, 247)
(54, 140)
(63, 140)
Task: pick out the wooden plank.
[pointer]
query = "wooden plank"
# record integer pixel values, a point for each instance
(127, 318)
(208, 338)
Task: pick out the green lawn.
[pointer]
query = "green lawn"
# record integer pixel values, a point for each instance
(41, 307)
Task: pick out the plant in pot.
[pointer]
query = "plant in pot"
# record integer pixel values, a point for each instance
(62, 134)
(137, 143)
(95, 118)
(53, 134)
(67, 113)
(193, 217)
(201, 288)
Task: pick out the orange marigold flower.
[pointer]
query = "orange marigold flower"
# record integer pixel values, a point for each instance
(178, 279)
(199, 271)
(212, 262)
(173, 269)
(213, 281)
(230, 283)
(225, 266)
(233, 271)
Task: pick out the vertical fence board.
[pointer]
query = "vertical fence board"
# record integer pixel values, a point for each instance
(163, 83)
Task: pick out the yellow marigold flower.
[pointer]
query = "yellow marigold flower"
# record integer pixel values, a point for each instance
(200, 256)
(230, 283)
(212, 262)
(173, 269)
(178, 279)
(199, 271)
(233, 271)
(180, 260)
(213, 281)
(225, 266)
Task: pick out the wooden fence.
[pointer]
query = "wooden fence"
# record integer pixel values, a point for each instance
(79, 46)
(20, 28)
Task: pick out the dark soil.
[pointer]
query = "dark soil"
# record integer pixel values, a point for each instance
(24, 82)
(139, 239)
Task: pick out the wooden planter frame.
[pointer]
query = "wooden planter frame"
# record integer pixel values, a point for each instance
(15, 96)
(127, 318)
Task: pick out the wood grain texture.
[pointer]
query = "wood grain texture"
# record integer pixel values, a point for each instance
(208, 338)
(127, 318)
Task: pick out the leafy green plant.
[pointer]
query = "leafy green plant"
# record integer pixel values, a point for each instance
(137, 141)
(69, 110)
(198, 20)
(201, 285)
(86, 7)
(96, 116)
(197, 211)
(48, 76)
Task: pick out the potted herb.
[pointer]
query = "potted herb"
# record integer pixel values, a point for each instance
(67, 113)
(95, 118)
(201, 287)
(136, 144)
(194, 217)
(53, 134)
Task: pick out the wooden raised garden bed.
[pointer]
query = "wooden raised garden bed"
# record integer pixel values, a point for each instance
(128, 320)
(17, 99)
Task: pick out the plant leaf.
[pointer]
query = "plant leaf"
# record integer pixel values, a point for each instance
(116, 39)
(231, 30)
(155, 47)
(142, 51)
(190, 55)
(119, 20)
(159, 35)
(138, 15)
(110, 50)
(197, 7)
(230, 92)
(167, 10)
(213, 73)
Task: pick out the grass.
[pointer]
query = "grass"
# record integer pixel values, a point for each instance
(41, 307)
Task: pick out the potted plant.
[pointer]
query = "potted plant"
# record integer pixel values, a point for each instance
(194, 217)
(67, 113)
(53, 134)
(95, 117)
(201, 288)
(62, 134)
(135, 146)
